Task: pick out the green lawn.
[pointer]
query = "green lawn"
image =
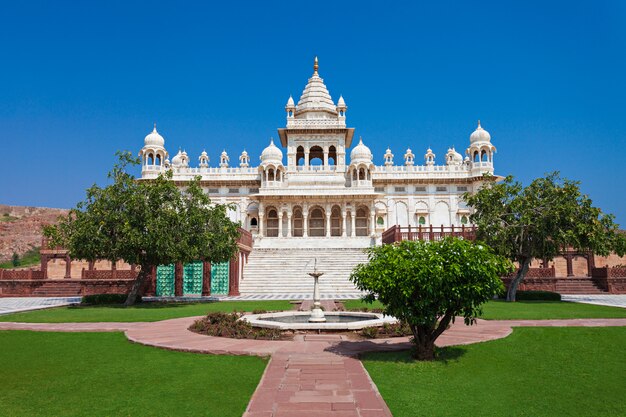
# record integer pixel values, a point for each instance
(534, 310)
(140, 312)
(533, 372)
(102, 374)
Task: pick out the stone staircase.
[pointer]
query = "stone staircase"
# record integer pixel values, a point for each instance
(578, 286)
(59, 288)
(281, 270)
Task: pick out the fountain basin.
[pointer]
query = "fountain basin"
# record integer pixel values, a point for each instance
(335, 320)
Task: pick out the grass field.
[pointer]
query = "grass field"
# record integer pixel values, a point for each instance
(532, 310)
(534, 372)
(29, 258)
(102, 374)
(140, 312)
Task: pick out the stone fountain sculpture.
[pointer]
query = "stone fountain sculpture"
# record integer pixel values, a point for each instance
(317, 314)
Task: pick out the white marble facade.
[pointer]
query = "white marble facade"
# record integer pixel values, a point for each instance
(316, 191)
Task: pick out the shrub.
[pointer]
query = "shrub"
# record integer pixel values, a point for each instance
(96, 299)
(398, 329)
(538, 296)
(228, 325)
(15, 259)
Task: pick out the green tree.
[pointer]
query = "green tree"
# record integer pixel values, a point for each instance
(15, 259)
(540, 221)
(146, 223)
(428, 284)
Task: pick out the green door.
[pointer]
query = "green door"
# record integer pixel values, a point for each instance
(192, 278)
(219, 278)
(165, 281)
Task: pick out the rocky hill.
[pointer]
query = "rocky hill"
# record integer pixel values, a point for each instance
(20, 227)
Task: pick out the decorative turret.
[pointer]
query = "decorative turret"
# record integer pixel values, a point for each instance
(244, 159)
(204, 160)
(153, 153)
(290, 108)
(360, 154)
(481, 149)
(341, 107)
(272, 155)
(429, 157)
(453, 157)
(409, 158)
(388, 157)
(224, 159)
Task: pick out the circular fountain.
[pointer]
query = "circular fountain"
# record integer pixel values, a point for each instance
(317, 319)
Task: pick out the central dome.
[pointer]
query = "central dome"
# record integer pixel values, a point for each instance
(315, 96)
(480, 135)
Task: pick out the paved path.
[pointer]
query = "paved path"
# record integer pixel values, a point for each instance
(612, 300)
(16, 304)
(313, 375)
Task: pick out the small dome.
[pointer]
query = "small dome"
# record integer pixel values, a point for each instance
(290, 102)
(154, 139)
(453, 157)
(177, 160)
(341, 102)
(480, 135)
(361, 153)
(203, 153)
(244, 153)
(271, 154)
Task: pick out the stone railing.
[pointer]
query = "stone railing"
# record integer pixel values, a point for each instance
(108, 274)
(20, 274)
(537, 273)
(429, 233)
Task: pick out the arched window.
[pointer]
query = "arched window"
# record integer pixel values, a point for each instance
(317, 222)
(272, 223)
(332, 155)
(463, 219)
(158, 159)
(254, 222)
(300, 156)
(476, 156)
(316, 156)
(361, 221)
(335, 221)
(484, 156)
(380, 221)
(270, 174)
(150, 159)
(422, 220)
(361, 173)
(296, 227)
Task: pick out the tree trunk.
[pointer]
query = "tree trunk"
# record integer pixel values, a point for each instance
(424, 349)
(138, 285)
(521, 273)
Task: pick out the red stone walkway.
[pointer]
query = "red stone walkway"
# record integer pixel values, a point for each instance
(311, 376)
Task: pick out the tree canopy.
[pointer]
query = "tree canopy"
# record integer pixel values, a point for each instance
(146, 223)
(540, 221)
(428, 284)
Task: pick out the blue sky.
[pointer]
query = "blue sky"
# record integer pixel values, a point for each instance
(80, 80)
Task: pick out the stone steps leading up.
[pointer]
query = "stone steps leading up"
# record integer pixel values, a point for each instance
(285, 270)
(58, 289)
(578, 286)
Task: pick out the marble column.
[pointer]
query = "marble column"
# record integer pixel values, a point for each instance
(305, 224)
(327, 224)
(343, 223)
(306, 157)
(325, 156)
(353, 224)
(289, 224)
(280, 224)
(261, 224)
(372, 222)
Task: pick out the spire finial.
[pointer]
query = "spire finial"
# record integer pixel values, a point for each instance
(154, 127)
(478, 122)
(315, 66)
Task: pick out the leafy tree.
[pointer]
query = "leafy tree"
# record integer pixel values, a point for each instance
(540, 221)
(15, 259)
(146, 223)
(428, 284)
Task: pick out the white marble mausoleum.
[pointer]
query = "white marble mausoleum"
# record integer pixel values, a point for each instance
(318, 183)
